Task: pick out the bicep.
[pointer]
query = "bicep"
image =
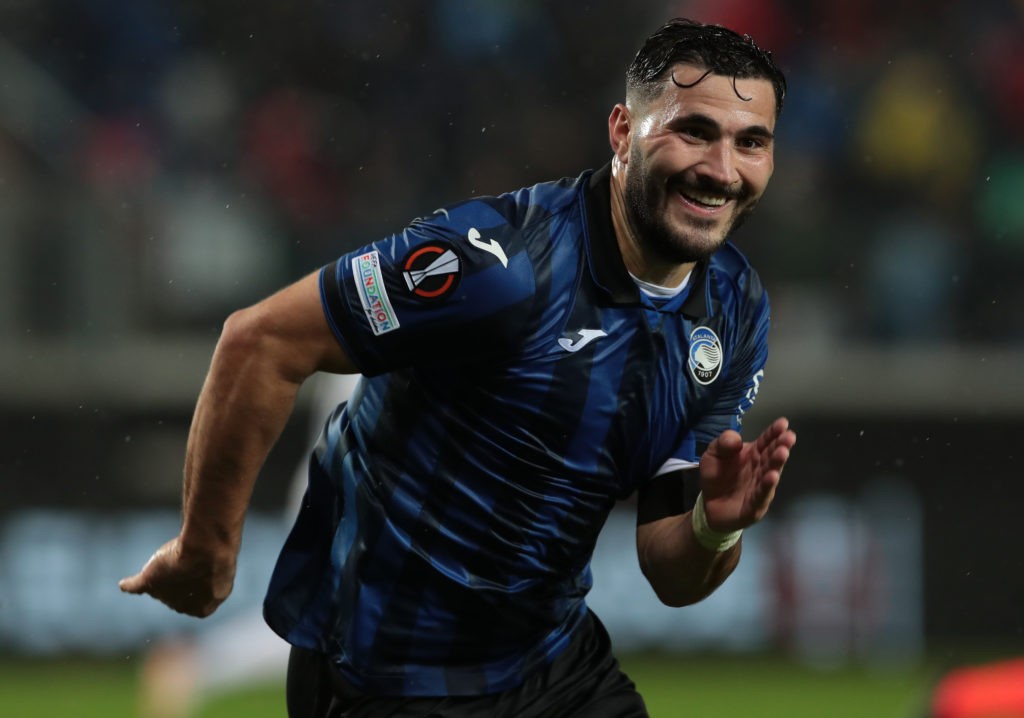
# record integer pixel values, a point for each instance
(295, 329)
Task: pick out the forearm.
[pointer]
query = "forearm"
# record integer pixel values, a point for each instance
(264, 354)
(680, 570)
(242, 409)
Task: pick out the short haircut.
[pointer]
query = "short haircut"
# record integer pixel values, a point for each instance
(717, 49)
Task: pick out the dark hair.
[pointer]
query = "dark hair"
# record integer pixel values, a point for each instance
(717, 49)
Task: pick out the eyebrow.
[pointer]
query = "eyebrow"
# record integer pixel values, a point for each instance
(697, 119)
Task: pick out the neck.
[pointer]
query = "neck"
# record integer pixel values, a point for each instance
(638, 261)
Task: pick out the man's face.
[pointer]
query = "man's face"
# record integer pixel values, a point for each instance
(699, 159)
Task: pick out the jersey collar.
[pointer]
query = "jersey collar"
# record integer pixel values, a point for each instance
(606, 265)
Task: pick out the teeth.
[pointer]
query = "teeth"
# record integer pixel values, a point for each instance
(709, 200)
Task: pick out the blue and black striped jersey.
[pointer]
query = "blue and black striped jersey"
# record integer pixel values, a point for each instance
(517, 384)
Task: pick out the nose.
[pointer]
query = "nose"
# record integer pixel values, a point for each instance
(719, 165)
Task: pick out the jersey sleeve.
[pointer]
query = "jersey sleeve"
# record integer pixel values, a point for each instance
(451, 288)
(674, 487)
(746, 370)
(743, 381)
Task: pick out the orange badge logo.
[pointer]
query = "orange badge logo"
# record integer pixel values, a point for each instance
(432, 271)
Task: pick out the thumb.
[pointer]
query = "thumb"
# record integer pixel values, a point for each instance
(133, 584)
(726, 444)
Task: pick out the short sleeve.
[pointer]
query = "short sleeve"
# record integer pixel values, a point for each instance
(743, 381)
(451, 288)
(746, 371)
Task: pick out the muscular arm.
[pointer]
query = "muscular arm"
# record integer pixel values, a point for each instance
(738, 481)
(264, 354)
(680, 570)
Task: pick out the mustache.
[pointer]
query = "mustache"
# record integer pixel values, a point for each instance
(706, 185)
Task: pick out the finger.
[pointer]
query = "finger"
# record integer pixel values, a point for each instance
(766, 486)
(768, 441)
(780, 450)
(133, 584)
(763, 493)
(781, 424)
(772, 432)
(770, 477)
(774, 458)
(781, 428)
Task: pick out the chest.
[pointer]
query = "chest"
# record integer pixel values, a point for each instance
(612, 391)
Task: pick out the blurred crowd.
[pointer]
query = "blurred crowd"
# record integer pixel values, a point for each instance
(162, 163)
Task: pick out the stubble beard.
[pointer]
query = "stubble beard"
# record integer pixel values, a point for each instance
(645, 202)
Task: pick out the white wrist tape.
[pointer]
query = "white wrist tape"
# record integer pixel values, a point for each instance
(708, 537)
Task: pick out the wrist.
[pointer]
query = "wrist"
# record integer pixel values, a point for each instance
(204, 543)
(717, 541)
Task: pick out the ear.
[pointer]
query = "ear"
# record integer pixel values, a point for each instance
(619, 132)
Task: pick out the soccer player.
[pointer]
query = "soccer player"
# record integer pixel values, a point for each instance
(530, 359)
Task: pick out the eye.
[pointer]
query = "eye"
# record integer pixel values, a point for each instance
(753, 142)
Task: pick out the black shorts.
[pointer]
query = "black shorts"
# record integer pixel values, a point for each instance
(585, 681)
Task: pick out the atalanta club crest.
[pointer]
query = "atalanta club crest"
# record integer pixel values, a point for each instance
(432, 271)
(705, 355)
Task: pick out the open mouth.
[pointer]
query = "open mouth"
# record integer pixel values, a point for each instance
(707, 200)
(703, 199)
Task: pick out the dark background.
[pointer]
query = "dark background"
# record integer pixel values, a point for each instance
(164, 163)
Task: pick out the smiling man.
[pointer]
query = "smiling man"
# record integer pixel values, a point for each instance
(693, 155)
(528, 360)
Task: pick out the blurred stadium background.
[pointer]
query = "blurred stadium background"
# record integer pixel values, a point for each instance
(162, 163)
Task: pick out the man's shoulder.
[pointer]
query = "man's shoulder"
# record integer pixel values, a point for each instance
(518, 208)
(731, 260)
(735, 276)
